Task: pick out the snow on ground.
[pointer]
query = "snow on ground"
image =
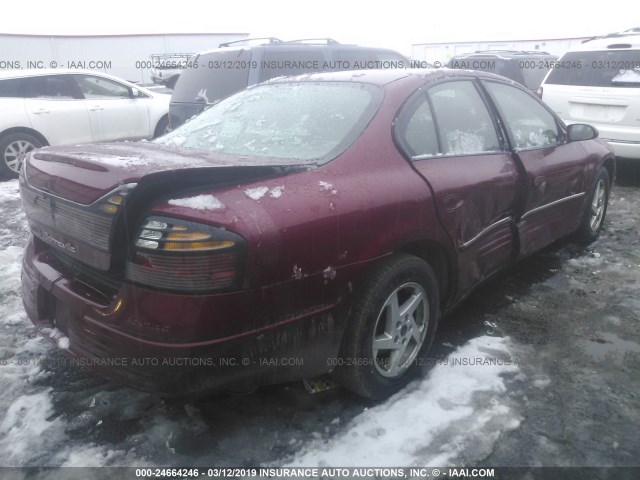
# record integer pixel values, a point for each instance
(30, 434)
(464, 403)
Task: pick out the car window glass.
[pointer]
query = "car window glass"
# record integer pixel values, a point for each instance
(57, 87)
(10, 87)
(101, 88)
(361, 59)
(278, 63)
(463, 120)
(213, 76)
(612, 68)
(530, 124)
(301, 121)
(417, 129)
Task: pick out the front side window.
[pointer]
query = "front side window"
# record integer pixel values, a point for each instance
(530, 124)
(464, 123)
(312, 121)
(99, 88)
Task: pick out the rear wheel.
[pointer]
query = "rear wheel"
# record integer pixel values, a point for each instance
(391, 326)
(14, 148)
(594, 214)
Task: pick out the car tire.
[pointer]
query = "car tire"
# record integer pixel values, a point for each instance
(162, 127)
(391, 326)
(13, 149)
(596, 208)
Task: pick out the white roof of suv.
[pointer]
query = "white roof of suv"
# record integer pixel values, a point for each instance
(616, 41)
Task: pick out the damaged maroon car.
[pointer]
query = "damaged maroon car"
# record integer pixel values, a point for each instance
(310, 225)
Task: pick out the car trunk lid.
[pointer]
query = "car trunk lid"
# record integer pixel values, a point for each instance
(82, 200)
(85, 173)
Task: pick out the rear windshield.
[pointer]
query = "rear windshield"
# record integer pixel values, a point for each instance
(506, 68)
(213, 76)
(309, 121)
(611, 68)
(528, 71)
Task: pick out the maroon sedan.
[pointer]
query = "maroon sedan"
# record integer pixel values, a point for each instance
(309, 225)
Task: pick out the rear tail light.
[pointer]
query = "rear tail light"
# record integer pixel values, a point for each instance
(540, 91)
(178, 255)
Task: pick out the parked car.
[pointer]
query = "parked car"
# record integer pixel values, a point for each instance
(312, 224)
(599, 83)
(166, 68)
(57, 107)
(218, 73)
(528, 68)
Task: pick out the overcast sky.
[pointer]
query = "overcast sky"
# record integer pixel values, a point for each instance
(393, 23)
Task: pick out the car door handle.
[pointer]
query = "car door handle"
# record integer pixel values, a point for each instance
(96, 108)
(41, 111)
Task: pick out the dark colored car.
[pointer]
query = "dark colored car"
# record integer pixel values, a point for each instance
(528, 68)
(308, 225)
(215, 74)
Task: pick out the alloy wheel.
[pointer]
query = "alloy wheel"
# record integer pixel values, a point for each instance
(598, 204)
(16, 152)
(400, 330)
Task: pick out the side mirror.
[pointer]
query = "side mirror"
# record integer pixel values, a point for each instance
(135, 93)
(581, 131)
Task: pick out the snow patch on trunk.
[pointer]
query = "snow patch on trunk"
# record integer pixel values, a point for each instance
(199, 202)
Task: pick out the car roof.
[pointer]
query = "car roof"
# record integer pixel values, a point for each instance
(614, 41)
(298, 46)
(504, 54)
(38, 72)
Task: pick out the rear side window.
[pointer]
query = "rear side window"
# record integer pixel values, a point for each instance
(362, 59)
(533, 77)
(464, 123)
(610, 68)
(11, 87)
(416, 129)
(506, 68)
(529, 123)
(279, 63)
(217, 75)
(54, 87)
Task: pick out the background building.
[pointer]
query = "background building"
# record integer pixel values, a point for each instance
(126, 56)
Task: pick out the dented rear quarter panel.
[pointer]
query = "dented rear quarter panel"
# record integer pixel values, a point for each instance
(364, 204)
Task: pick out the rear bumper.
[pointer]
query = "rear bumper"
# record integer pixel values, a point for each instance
(625, 149)
(185, 356)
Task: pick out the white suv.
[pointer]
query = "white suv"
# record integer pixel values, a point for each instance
(55, 107)
(599, 83)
